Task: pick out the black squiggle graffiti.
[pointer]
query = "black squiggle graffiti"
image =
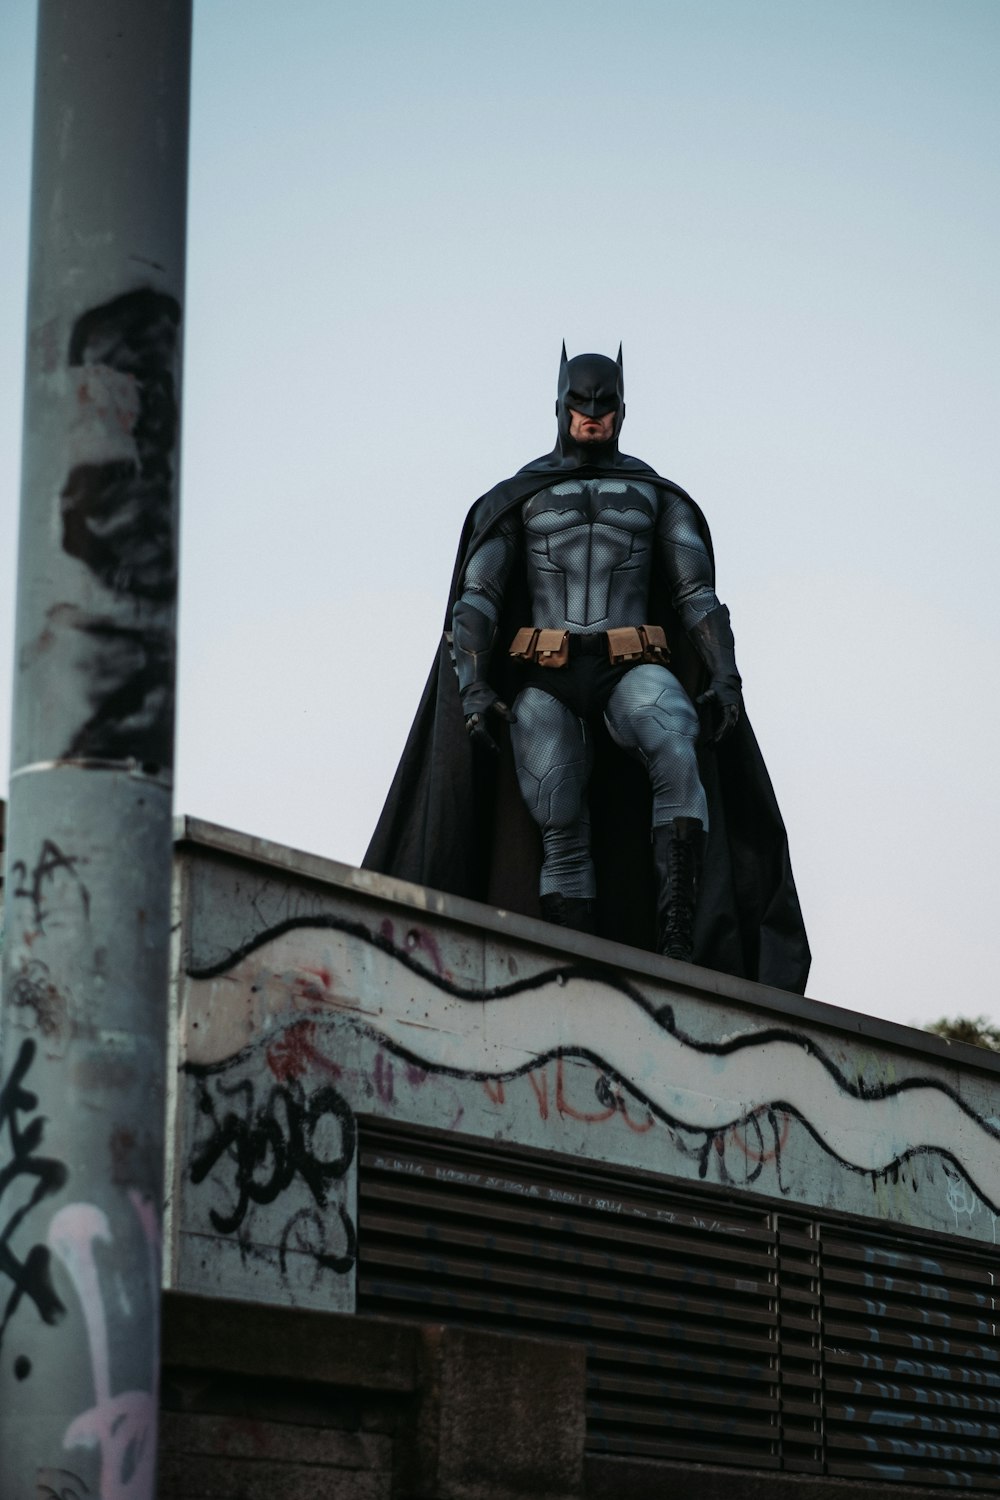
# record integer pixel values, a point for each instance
(61, 1484)
(31, 1277)
(32, 989)
(661, 1014)
(310, 1219)
(118, 519)
(269, 1144)
(50, 863)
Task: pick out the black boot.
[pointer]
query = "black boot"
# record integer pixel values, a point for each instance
(678, 851)
(577, 912)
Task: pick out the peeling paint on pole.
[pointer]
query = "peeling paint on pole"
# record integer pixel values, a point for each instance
(87, 887)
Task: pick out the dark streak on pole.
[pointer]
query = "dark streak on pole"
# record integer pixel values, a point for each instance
(88, 859)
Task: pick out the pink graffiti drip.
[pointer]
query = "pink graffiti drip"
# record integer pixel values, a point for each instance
(428, 942)
(384, 1079)
(123, 1426)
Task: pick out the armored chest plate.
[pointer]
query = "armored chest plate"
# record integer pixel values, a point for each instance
(589, 550)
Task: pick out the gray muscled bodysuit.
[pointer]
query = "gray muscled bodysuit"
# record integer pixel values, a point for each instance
(590, 547)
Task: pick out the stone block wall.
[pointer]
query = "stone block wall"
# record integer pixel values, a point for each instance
(276, 1404)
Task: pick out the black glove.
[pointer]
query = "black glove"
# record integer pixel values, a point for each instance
(712, 638)
(478, 700)
(722, 710)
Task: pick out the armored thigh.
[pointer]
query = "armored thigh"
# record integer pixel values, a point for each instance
(650, 715)
(553, 757)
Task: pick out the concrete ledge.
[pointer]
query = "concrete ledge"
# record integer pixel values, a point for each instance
(288, 1404)
(647, 1479)
(281, 1343)
(507, 926)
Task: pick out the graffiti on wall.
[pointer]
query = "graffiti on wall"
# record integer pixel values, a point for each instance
(122, 1426)
(27, 1178)
(570, 1044)
(117, 519)
(263, 1144)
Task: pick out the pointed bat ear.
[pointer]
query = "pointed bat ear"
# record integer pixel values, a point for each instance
(619, 361)
(563, 360)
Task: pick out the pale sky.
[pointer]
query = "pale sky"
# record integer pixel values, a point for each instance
(787, 210)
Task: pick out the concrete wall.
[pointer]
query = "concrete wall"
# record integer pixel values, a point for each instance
(267, 1404)
(309, 993)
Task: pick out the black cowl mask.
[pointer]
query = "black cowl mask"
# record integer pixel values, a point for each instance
(592, 384)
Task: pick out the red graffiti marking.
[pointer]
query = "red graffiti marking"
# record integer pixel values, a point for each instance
(752, 1153)
(415, 1075)
(314, 986)
(590, 1118)
(540, 1083)
(617, 1106)
(323, 975)
(495, 1090)
(295, 1052)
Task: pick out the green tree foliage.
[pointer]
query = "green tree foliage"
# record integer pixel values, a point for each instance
(974, 1029)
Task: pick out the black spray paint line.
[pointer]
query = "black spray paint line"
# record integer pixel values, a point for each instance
(662, 1015)
(118, 517)
(32, 1276)
(129, 672)
(61, 1484)
(118, 520)
(339, 1264)
(31, 886)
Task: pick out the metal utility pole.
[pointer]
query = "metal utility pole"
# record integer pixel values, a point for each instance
(83, 1023)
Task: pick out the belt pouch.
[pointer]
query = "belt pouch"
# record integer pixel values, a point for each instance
(625, 644)
(523, 645)
(552, 648)
(655, 642)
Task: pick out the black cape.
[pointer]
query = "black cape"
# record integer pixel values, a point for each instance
(454, 819)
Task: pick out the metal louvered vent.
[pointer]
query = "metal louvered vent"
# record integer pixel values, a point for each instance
(911, 1361)
(714, 1331)
(676, 1307)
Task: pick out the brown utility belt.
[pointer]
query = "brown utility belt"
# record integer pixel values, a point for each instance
(624, 644)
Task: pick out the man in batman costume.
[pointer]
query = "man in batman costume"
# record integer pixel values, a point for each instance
(583, 596)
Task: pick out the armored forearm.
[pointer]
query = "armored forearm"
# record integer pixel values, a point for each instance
(473, 635)
(474, 619)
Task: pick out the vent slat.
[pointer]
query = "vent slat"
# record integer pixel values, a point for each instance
(721, 1246)
(563, 1249)
(666, 1391)
(705, 1452)
(570, 1284)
